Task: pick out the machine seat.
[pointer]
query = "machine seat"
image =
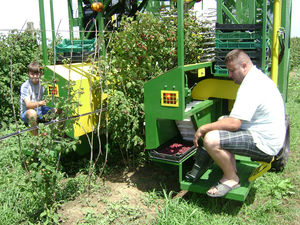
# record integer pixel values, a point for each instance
(267, 159)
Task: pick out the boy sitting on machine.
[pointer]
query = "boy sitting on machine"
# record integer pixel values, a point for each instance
(33, 107)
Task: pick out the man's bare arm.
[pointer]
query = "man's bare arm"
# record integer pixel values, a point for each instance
(228, 123)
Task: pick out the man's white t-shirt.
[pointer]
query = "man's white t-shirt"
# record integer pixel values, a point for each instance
(260, 106)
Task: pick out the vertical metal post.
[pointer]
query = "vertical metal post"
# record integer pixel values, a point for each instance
(52, 25)
(252, 12)
(264, 37)
(219, 12)
(180, 172)
(283, 70)
(180, 34)
(275, 42)
(240, 11)
(71, 22)
(43, 31)
(80, 15)
(101, 31)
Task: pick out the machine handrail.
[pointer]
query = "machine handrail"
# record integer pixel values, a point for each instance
(197, 66)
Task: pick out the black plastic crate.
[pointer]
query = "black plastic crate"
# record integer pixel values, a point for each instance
(173, 150)
(238, 27)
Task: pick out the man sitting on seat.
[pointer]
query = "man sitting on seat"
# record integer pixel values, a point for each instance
(33, 107)
(255, 126)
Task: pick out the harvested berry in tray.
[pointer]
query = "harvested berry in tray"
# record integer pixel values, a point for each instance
(176, 148)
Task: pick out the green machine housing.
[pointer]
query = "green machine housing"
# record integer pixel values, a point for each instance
(172, 99)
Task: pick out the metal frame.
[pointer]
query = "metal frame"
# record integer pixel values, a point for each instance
(275, 17)
(73, 22)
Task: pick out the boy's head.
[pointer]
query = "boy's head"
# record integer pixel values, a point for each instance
(34, 72)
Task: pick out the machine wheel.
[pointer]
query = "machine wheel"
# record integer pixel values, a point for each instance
(282, 157)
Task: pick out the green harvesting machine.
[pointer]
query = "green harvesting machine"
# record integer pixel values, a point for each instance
(188, 96)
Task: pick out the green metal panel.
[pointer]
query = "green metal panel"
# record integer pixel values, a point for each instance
(156, 114)
(206, 112)
(172, 81)
(214, 174)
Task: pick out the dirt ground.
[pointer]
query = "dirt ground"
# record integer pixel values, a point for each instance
(121, 198)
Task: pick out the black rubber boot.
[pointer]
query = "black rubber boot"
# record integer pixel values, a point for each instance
(202, 162)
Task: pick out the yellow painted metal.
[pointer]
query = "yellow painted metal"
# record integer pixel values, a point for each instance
(275, 43)
(215, 88)
(80, 73)
(201, 72)
(259, 171)
(169, 98)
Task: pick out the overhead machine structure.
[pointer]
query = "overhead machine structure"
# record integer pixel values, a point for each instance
(175, 107)
(87, 20)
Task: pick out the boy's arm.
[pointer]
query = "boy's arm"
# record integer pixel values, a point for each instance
(33, 105)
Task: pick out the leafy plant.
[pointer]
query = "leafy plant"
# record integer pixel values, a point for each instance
(138, 51)
(283, 189)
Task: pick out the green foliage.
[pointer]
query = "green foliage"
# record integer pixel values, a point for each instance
(38, 163)
(17, 50)
(276, 187)
(140, 50)
(32, 188)
(295, 52)
(119, 212)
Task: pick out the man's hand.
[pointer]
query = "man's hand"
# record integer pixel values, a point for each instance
(199, 133)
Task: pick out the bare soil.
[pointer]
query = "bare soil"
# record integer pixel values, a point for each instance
(122, 191)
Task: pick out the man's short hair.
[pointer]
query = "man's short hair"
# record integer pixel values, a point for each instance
(34, 67)
(236, 54)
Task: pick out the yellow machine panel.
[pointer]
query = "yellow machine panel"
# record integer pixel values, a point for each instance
(215, 88)
(88, 102)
